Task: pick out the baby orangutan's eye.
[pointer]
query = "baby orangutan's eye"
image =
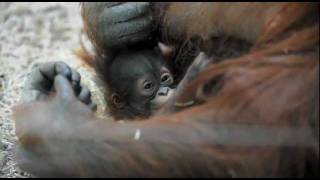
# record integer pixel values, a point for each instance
(148, 85)
(166, 78)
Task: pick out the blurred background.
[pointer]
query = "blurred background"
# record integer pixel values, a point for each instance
(30, 33)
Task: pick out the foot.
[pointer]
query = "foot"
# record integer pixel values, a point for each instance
(40, 83)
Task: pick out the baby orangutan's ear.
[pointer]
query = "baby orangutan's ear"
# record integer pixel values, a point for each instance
(166, 50)
(116, 100)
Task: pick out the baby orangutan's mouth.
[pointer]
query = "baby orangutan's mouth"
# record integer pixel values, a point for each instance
(162, 96)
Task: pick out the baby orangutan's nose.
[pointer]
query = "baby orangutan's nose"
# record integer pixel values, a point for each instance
(163, 91)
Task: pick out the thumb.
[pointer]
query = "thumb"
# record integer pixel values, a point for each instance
(63, 88)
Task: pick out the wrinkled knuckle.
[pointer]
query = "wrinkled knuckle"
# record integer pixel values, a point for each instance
(63, 69)
(75, 75)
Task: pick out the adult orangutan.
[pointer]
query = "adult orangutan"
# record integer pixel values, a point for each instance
(255, 110)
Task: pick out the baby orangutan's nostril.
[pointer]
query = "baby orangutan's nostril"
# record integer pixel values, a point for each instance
(163, 91)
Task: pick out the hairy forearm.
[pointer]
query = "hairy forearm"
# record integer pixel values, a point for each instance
(171, 146)
(83, 147)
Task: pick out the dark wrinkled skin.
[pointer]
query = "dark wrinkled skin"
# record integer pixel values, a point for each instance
(39, 84)
(115, 25)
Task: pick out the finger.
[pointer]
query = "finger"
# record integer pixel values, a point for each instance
(47, 70)
(127, 40)
(132, 39)
(127, 33)
(90, 7)
(75, 76)
(51, 69)
(63, 69)
(123, 12)
(200, 58)
(196, 66)
(111, 4)
(85, 95)
(36, 80)
(132, 27)
(41, 78)
(75, 81)
(63, 88)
